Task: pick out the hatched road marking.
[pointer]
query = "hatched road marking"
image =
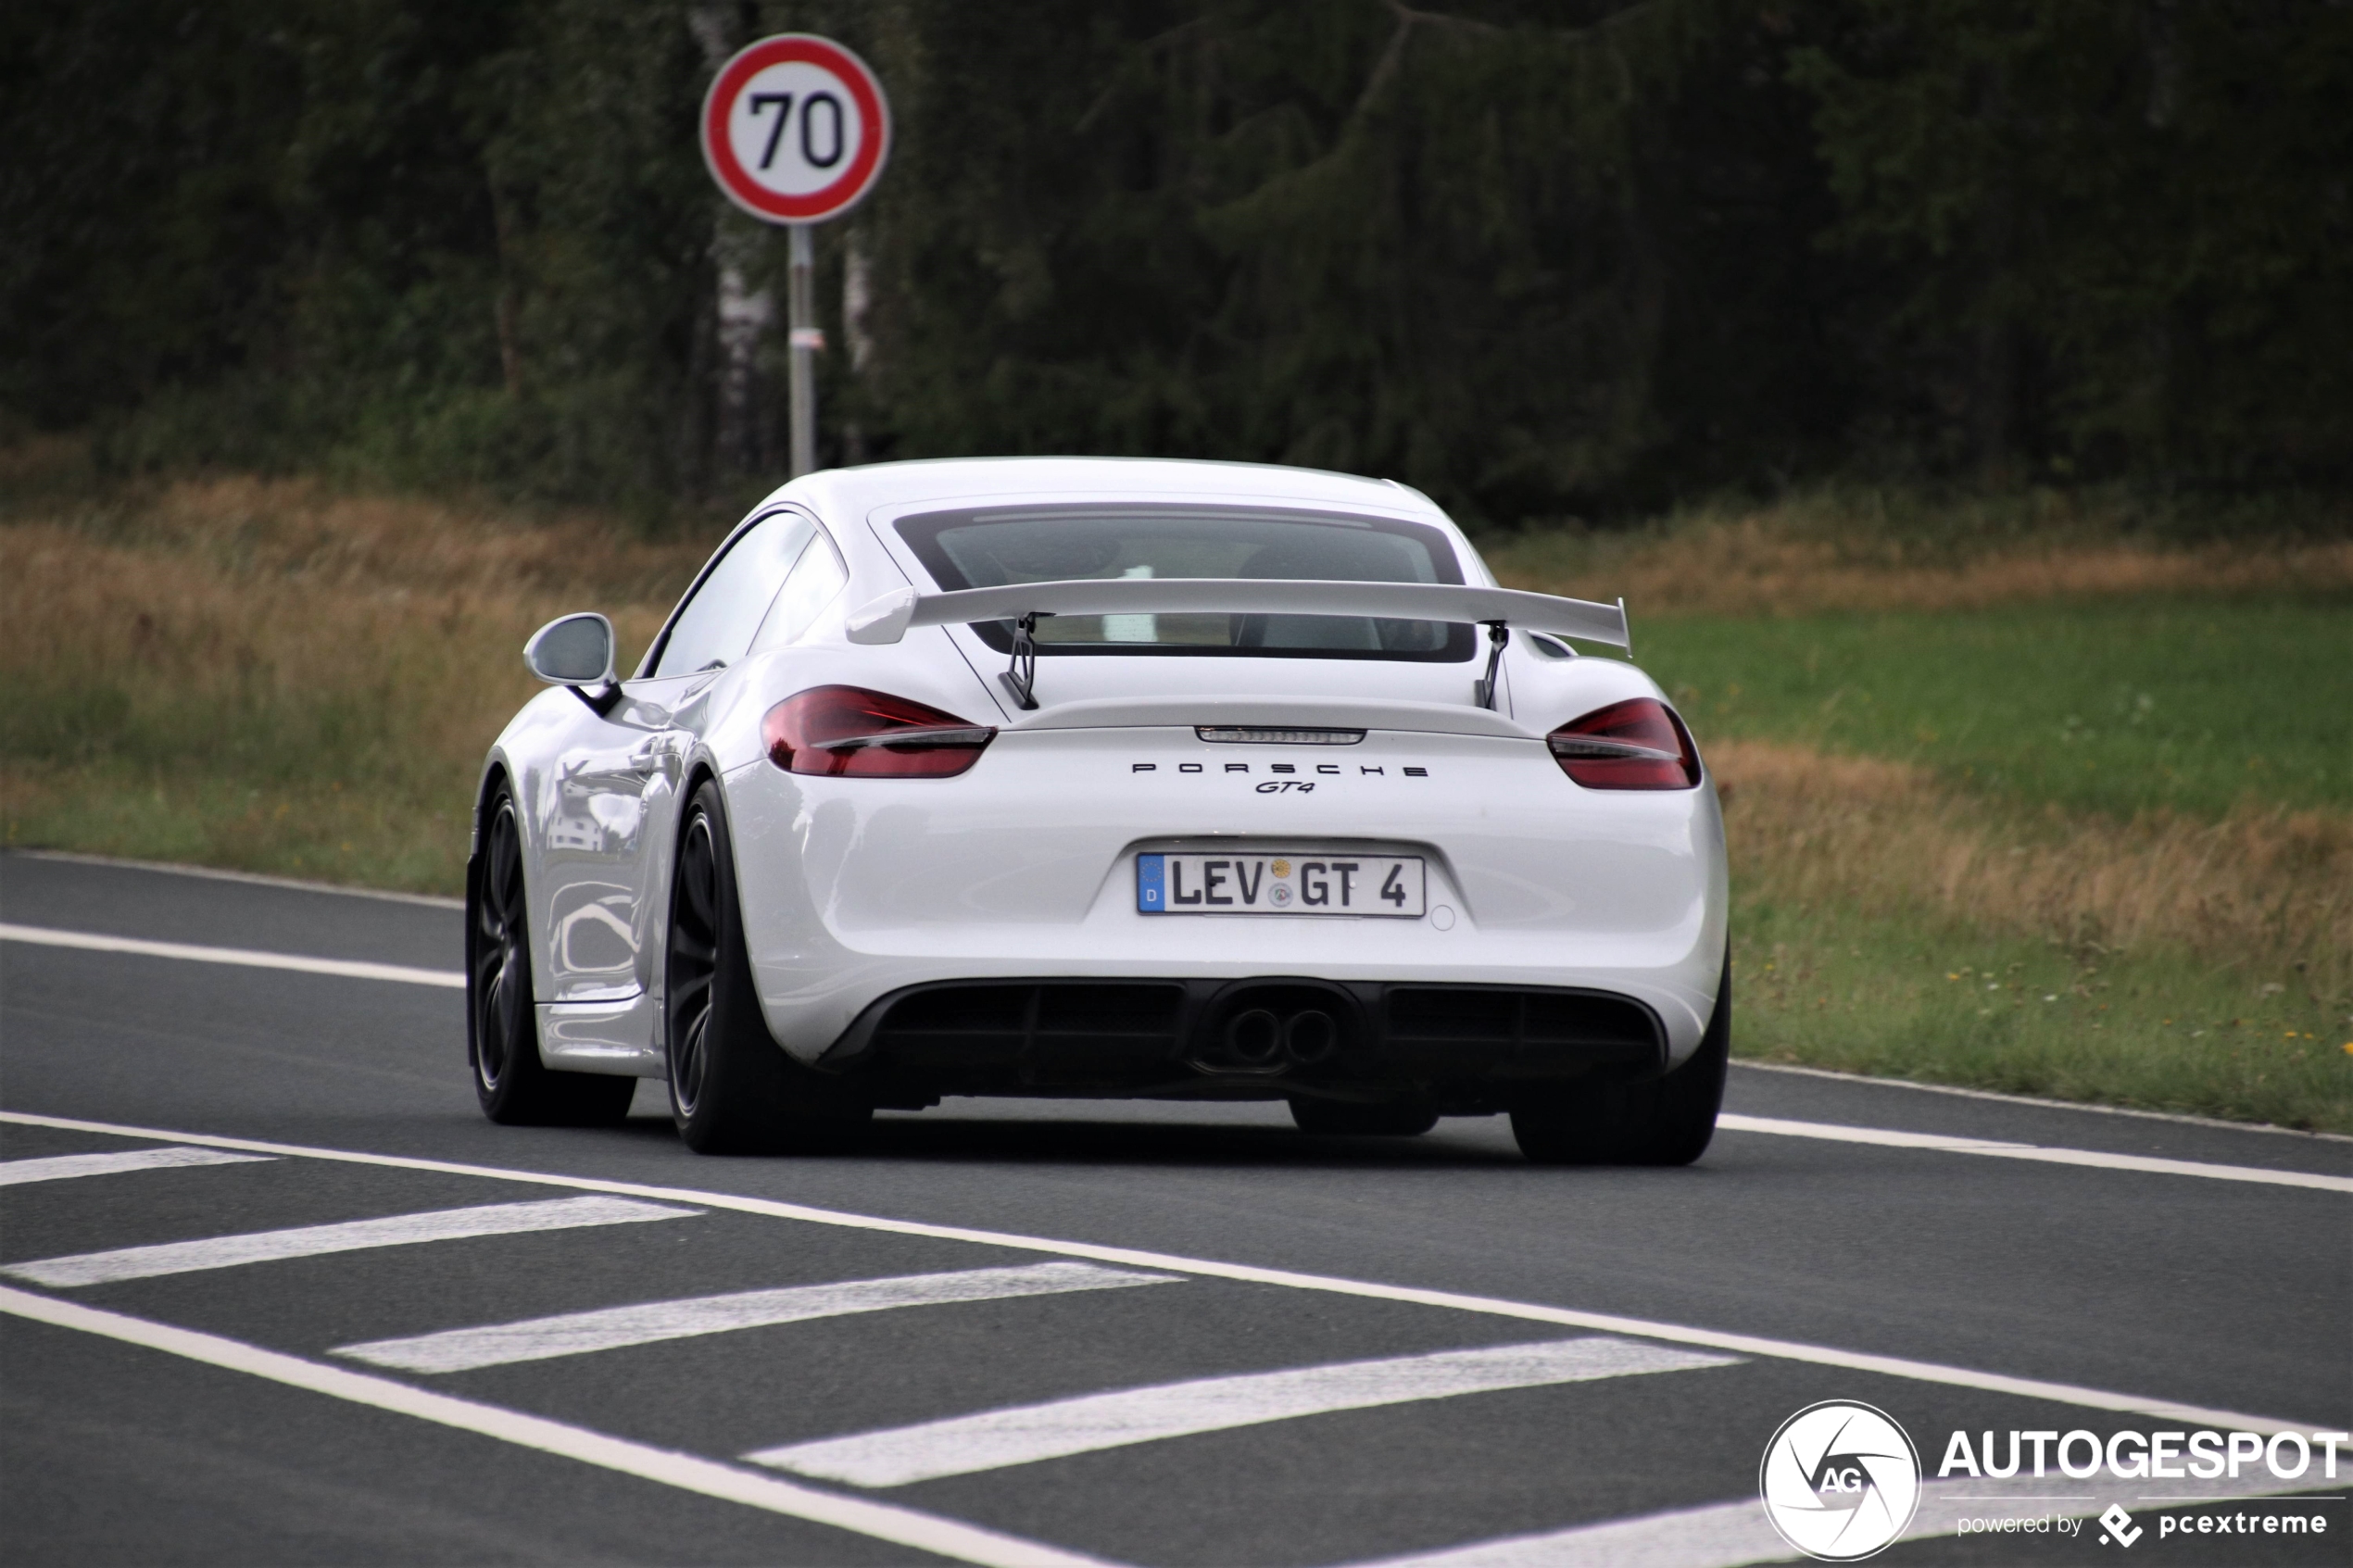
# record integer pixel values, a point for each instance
(994, 1439)
(884, 1522)
(572, 1333)
(61, 1167)
(311, 1241)
(1138, 1257)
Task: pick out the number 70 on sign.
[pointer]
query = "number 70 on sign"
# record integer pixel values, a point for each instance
(795, 128)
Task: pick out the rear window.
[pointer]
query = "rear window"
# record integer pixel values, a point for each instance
(982, 549)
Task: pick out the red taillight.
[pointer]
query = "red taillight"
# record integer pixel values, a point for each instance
(1639, 744)
(846, 732)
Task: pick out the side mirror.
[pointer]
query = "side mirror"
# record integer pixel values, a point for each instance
(576, 651)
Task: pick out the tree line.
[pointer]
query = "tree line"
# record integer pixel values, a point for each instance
(1538, 257)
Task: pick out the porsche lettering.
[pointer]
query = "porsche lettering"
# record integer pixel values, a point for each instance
(1326, 769)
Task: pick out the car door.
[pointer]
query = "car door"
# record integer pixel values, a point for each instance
(707, 635)
(609, 775)
(616, 777)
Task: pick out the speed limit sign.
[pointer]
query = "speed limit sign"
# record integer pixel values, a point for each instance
(795, 128)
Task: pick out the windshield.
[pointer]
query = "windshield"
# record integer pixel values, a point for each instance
(990, 549)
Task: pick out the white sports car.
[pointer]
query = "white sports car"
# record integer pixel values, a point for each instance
(1102, 777)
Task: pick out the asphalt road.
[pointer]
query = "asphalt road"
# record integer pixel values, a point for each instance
(989, 1257)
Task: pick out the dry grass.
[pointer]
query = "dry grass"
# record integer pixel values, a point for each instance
(2268, 892)
(302, 535)
(1886, 922)
(1806, 556)
(269, 674)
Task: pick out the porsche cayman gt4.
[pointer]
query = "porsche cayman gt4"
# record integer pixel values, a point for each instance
(1111, 778)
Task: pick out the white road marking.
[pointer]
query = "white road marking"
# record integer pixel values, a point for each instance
(94, 942)
(1776, 1126)
(1130, 1257)
(1946, 1144)
(2039, 1102)
(213, 874)
(994, 1439)
(1732, 1535)
(311, 1241)
(885, 1521)
(539, 1339)
(60, 1167)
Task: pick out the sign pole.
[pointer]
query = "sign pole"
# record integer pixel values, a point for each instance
(795, 128)
(805, 338)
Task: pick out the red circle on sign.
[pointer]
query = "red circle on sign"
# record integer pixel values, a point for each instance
(719, 152)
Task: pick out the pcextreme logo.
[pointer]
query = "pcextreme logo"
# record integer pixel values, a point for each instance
(1840, 1480)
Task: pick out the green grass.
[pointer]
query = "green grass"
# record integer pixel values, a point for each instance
(2042, 717)
(1938, 1000)
(406, 834)
(2117, 705)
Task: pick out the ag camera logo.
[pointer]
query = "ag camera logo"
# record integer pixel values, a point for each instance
(1840, 1480)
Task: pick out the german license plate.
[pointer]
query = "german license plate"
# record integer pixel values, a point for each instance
(1317, 884)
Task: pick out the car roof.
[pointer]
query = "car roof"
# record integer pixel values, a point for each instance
(859, 492)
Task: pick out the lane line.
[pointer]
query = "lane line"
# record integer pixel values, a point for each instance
(884, 1522)
(1943, 1143)
(995, 1439)
(1732, 1535)
(96, 942)
(1130, 1257)
(1886, 1138)
(2039, 1102)
(352, 1235)
(63, 1167)
(213, 874)
(573, 1333)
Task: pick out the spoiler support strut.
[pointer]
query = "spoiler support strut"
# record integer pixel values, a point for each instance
(1021, 675)
(1484, 691)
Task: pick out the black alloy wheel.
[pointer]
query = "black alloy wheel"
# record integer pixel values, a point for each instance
(502, 1027)
(733, 1090)
(1667, 1121)
(693, 962)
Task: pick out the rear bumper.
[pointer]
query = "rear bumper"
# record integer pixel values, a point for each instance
(1464, 1048)
(858, 891)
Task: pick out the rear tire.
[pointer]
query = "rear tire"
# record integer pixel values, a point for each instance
(1668, 1120)
(733, 1090)
(502, 1025)
(1346, 1119)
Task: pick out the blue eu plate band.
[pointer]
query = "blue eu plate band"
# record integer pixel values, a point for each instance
(1151, 872)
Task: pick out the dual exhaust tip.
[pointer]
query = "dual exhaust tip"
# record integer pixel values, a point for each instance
(1272, 1038)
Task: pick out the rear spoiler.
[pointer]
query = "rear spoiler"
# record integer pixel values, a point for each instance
(887, 618)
